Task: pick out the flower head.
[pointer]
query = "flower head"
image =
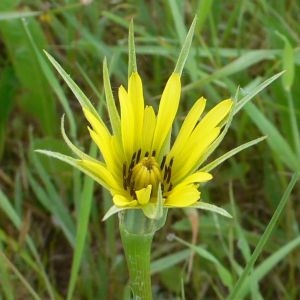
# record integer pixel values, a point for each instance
(140, 160)
(139, 165)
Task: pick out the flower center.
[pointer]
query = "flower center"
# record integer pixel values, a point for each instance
(146, 172)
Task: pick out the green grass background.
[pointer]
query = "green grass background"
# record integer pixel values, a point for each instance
(53, 244)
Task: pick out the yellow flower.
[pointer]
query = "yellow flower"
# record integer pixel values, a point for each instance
(137, 162)
(139, 165)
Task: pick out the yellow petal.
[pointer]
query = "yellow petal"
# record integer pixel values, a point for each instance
(197, 177)
(188, 126)
(132, 114)
(187, 161)
(148, 128)
(182, 196)
(143, 195)
(100, 171)
(96, 123)
(167, 110)
(105, 146)
(122, 201)
(103, 140)
(214, 117)
(127, 123)
(136, 98)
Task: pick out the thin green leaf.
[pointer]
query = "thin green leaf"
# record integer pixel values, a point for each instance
(73, 162)
(288, 63)
(212, 208)
(73, 148)
(224, 274)
(86, 198)
(175, 7)
(264, 238)
(38, 101)
(6, 206)
(55, 206)
(244, 246)
(78, 93)
(269, 263)
(294, 123)
(231, 153)
(110, 101)
(8, 209)
(21, 277)
(9, 15)
(112, 210)
(169, 261)
(276, 141)
(132, 67)
(241, 103)
(185, 49)
(204, 10)
(244, 61)
(52, 81)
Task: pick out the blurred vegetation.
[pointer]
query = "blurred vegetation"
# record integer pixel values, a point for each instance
(237, 46)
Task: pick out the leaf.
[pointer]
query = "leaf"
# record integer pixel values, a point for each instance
(288, 63)
(185, 49)
(276, 141)
(132, 67)
(9, 15)
(253, 92)
(110, 101)
(231, 153)
(73, 162)
(36, 98)
(212, 208)
(113, 210)
(78, 93)
(225, 275)
(235, 293)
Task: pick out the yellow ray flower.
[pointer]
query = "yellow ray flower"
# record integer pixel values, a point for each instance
(139, 165)
(136, 163)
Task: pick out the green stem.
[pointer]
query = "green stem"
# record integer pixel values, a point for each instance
(137, 249)
(137, 233)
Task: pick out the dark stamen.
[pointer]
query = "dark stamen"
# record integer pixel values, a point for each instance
(165, 172)
(171, 162)
(169, 175)
(147, 154)
(138, 155)
(129, 176)
(162, 164)
(170, 187)
(153, 153)
(132, 162)
(131, 165)
(124, 170)
(133, 156)
(132, 193)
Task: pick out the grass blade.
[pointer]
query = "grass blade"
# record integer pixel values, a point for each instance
(264, 238)
(21, 277)
(276, 141)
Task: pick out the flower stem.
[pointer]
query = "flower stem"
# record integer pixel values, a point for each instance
(137, 233)
(137, 249)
